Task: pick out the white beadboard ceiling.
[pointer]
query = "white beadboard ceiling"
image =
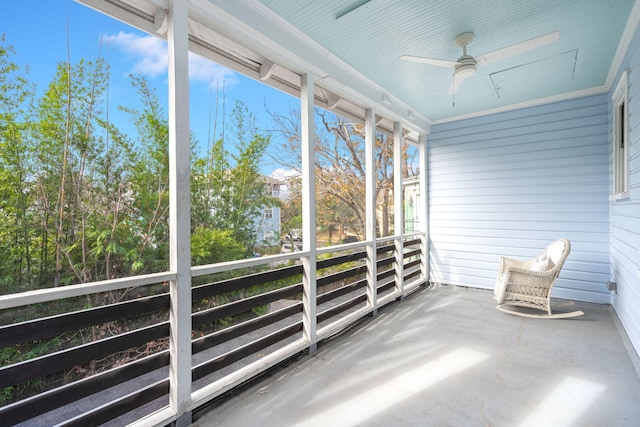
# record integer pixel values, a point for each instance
(371, 35)
(353, 49)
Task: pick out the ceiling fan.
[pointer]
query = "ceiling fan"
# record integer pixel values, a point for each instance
(467, 65)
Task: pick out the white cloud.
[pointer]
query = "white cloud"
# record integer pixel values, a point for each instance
(149, 54)
(284, 174)
(204, 70)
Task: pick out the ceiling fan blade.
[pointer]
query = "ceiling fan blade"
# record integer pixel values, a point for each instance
(454, 86)
(431, 61)
(517, 48)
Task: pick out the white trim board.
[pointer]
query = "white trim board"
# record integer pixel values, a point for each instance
(533, 103)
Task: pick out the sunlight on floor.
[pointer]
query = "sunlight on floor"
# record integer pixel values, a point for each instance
(396, 389)
(563, 406)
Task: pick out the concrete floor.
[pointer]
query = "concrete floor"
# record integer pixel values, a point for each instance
(446, 357)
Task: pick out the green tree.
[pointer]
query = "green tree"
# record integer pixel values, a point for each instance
(67, 148)
(340, 168)
(150, 180)
(291, 212)
(112, 238)
(231, 194)
(16, 236)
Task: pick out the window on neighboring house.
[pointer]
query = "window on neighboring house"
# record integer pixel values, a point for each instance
(272, 190)
(268, 213)
(620, 139)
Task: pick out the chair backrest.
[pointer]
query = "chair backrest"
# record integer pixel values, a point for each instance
(558, 252)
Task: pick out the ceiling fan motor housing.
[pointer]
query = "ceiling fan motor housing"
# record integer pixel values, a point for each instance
(466, 67)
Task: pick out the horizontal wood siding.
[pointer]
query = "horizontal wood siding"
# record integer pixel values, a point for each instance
(625, 214)
(511, 183)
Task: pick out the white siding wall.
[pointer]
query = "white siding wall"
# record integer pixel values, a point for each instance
(511, 183)
(625, 215)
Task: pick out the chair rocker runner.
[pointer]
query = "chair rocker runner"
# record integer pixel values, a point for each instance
(529, 283)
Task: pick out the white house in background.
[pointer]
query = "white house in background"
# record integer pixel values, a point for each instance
(267, 224)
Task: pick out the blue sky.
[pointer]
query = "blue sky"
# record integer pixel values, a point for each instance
(37, 29)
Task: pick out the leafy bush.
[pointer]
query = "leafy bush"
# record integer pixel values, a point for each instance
(209, 246)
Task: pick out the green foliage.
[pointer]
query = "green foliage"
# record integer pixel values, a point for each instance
(80, 200)
(209, 246)
(150, 175)
(19, 353)
(84, 201)
(16, 219)
(6, 395)
(229, 192)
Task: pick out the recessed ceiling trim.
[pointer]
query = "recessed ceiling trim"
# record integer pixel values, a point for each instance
(533, 103)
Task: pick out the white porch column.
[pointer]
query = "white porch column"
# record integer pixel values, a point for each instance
(309, 293)
(398, 211)
(179, 213)
(423, 206)
(370, 206)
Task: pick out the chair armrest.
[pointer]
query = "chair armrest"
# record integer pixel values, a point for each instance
(506, 263)
(524, 267)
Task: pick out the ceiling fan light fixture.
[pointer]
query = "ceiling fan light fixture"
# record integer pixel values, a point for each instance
(466, 67)
(463, 71)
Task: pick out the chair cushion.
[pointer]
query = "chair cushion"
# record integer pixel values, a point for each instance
(541, 263)
(555, 251)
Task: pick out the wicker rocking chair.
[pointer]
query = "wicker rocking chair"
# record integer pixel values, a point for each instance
(529, 283)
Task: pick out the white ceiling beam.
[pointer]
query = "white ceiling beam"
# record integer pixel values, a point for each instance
(266, 70)
(160, 22)
(332, 100)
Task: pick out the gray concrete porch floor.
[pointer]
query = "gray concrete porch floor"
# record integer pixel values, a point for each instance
(446, 357)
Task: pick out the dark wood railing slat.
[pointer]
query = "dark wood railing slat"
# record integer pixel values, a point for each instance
(341, 275)
(385, 261)
(238, 283)
(44, 402)
(344, 290)
(412, 263)
(66, 359)
(334, 311)
(243, 328)
(241, 352)
(242, 306)
(121, 406)
(412, 274)
(385, 248)
(412, 242)
(340, 259)
(47, 327)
